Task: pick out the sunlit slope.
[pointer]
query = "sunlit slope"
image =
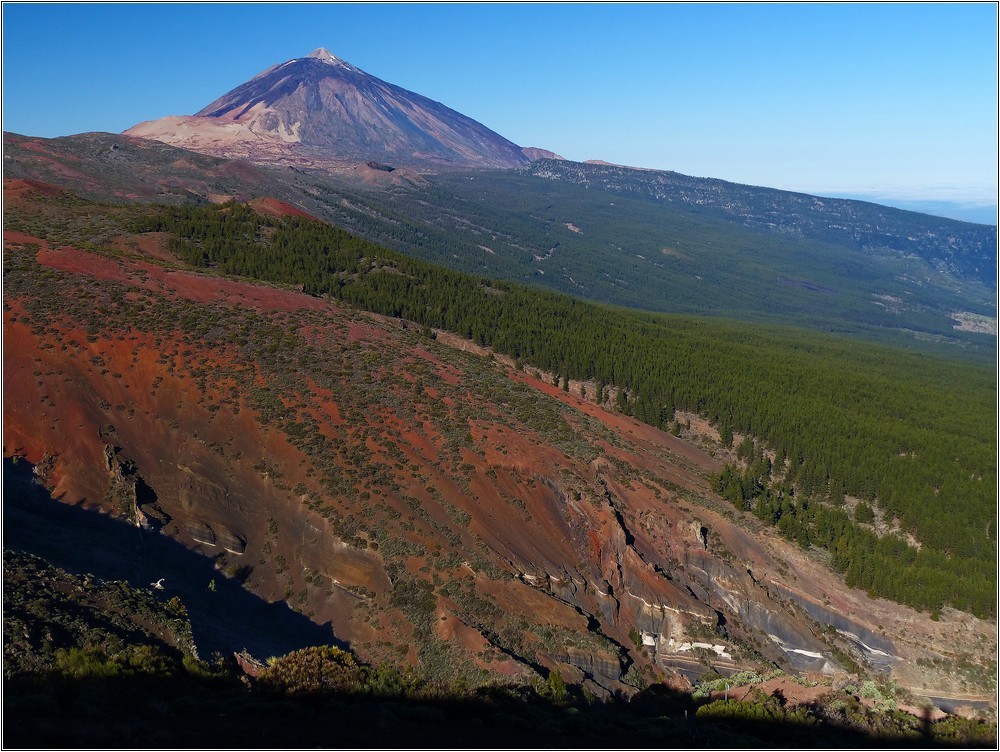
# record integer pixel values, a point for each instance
(912, 432)
(632, 249)
(438, 506)
(761, 261)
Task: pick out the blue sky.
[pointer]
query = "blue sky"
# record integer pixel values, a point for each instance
(883, 101)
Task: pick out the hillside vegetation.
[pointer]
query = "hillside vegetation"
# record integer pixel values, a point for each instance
(651, 240)
(963, 249)
(910, 434)
(749, 256)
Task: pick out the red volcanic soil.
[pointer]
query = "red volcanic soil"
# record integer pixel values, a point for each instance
(46, 418)
(16, 188)
(328, 407)
(41, 146)
(152, 244)
(201, 288)
(52, 161)
(272, 207)
(416, 445)
(69, 259)
(793, 692)
(339, 474)
(668, 456)
(624, 424)
(359, 331)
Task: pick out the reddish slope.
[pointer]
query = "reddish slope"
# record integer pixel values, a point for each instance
(379, 480)
(272, 207)
(16, 189)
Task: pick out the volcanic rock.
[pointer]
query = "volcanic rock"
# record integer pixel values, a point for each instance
(319, 110)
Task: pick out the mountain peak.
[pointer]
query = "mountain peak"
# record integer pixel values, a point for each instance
(321, 53)
(328, 111)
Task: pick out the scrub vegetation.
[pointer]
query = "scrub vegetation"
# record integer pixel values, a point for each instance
(909, 433)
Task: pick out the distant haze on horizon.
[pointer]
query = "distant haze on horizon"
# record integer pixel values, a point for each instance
(892, 103)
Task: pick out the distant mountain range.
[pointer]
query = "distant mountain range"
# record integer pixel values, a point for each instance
(319, 110)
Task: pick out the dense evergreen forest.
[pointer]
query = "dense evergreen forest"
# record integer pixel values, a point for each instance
(911, 435)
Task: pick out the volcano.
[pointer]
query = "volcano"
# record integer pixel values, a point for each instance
(321, 111)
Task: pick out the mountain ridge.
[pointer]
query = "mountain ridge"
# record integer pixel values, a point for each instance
(863, 224)
(668, 256)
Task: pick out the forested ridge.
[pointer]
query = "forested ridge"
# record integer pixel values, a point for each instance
(669, 256)
(911, 434)
(647, 240)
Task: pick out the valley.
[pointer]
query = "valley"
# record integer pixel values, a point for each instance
(509, 525)
(331, 413)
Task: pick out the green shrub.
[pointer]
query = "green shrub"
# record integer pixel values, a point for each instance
(556, 686)
(94, 662)
(89, 662)
(864, 513)
(314, 670)
(769, 710)
(957, 730)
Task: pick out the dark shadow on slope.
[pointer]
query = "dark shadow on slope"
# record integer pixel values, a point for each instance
(184, 711)
(224, 619)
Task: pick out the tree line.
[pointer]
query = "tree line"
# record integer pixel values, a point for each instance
(912, 434)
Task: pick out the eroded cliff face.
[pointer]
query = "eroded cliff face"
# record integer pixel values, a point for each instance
(432, 506)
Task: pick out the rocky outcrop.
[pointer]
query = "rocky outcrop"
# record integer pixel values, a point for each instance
(121, 491)
(603, 667)
(876, 650)
(202, 532)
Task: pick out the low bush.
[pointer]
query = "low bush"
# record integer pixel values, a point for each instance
(315, 670)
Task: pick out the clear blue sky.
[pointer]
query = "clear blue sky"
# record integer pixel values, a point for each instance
(890, 100)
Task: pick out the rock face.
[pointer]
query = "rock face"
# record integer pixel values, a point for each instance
(319, 110)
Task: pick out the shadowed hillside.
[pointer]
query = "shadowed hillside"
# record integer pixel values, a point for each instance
(92, 688)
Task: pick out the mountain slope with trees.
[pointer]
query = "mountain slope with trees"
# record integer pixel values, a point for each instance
(551, 234)
(963, 250)
(911, 432)
(301, 471)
